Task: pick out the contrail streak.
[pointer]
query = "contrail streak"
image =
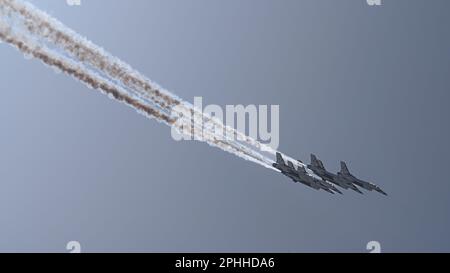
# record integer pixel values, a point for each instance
(94, 81)
(52, 59)
(50, 29)
(36, 34)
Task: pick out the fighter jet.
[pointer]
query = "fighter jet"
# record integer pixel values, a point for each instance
(303, 174)
(290, 171)
(285, 169)
(319, 169)
(345, 174)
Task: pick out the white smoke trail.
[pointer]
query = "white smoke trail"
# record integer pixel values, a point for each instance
(92, 80)
(127, 82)
(79, 47)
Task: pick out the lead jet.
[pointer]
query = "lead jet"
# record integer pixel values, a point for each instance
(345, 174)
(290, 171)
(319, 169)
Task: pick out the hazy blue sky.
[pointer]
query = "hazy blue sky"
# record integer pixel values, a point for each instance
(369, 85)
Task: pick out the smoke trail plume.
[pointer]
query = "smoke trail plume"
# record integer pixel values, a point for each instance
(38, 35)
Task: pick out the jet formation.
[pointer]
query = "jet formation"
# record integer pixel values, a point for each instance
(321, 179)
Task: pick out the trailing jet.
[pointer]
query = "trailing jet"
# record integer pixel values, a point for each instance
(322, 184)
(285, 169)
(319, 169)
(290, 171)
(345, 174)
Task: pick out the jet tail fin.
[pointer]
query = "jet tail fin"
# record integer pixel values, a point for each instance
(344, 169)
(317, 163)
(314, 160)
(280, 159)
